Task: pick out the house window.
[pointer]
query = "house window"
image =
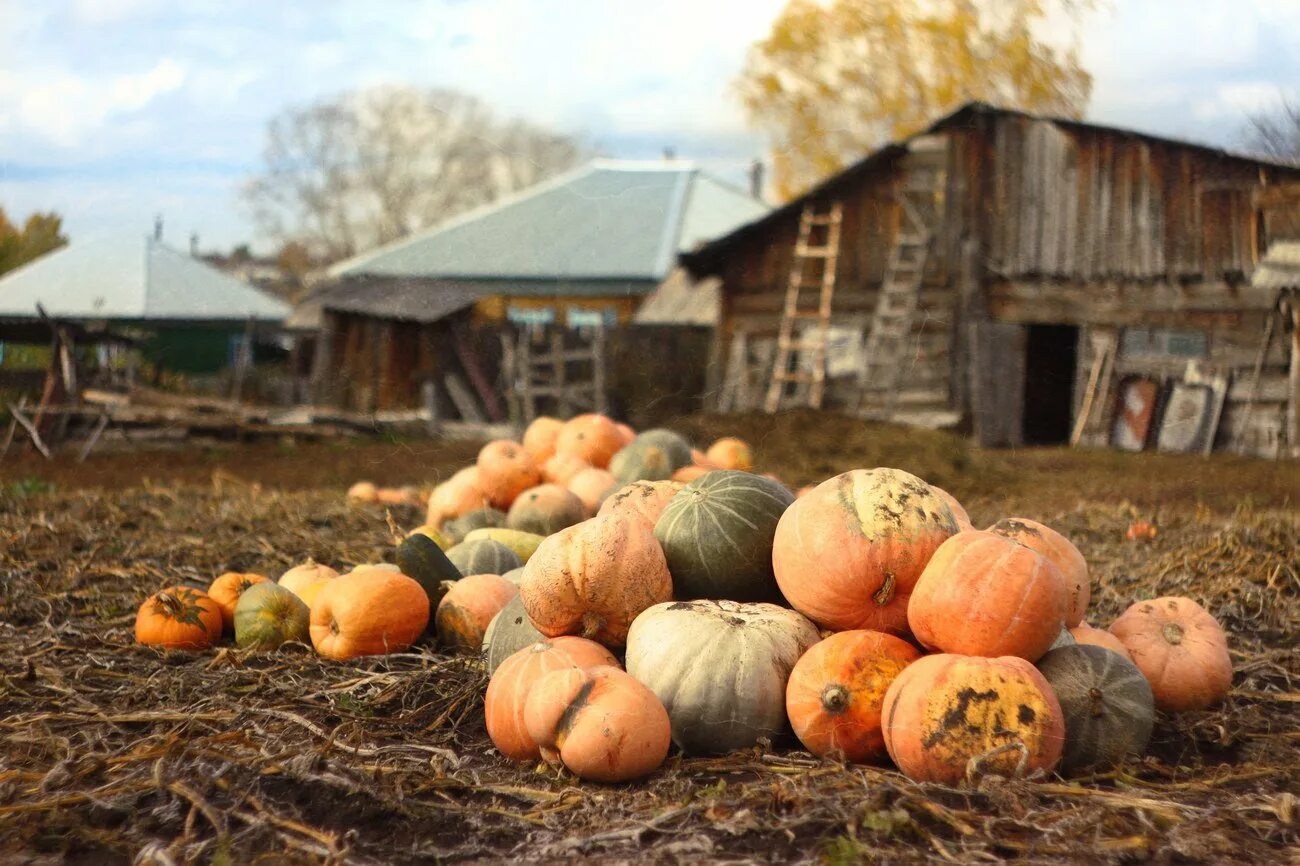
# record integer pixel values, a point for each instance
(530, 315)
(579, 317)
(1164, 342)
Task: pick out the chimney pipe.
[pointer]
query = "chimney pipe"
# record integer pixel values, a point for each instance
(670, 154)
(157, 227)
(756, 178)
(194, 245)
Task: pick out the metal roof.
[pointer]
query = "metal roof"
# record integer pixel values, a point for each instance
(131, 277)
(1280, 267)
(606, 221)
(402, 298)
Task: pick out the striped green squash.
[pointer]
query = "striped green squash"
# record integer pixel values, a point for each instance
(1106, 702)
(483, 556)
(672, 444)
(641, 461)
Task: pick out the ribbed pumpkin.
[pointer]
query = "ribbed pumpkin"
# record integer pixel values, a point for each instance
(301, 578)
(1180, 648)
(420, 558)
(455, 530)
(540, 438)
(505, 470)
(593, 487)
(641, 461)
(674, 445)
(1064, 555)
(983, 594)
(847, 554)
(484, 556)
(509, 631)
(731, 453)
(467, 609)
(514, 678)
(593, 579)
(643, 499)
(1086, 634)
(522, 544)
(599, 723)
(837, 691)
(958, 511)
(1106, 702)
(717, 536)
(225, 591)
(178, 618)
(593, 439)
(267, 615)
(369, 611)
(719, 667)
(944, 711)
(545, 510)
(456, 496)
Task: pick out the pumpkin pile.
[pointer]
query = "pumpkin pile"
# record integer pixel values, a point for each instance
(629, 591)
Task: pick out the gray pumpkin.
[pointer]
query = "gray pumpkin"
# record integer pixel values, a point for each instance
(483, 556)
(672, 444)
(1063, 639)
(481, 518)
(642, 461)
(510, 631)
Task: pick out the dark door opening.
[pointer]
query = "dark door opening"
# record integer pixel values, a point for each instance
(1051, 353)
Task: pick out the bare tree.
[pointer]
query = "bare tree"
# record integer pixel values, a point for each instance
(369, 167)
(1275, 132)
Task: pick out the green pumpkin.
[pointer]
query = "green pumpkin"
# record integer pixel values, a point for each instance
(267, 615)
(672, 444)
(455, 530)
(642, 461)
(510, 631)
(545, 510)
(483, 556)
(1107, 704)
(717, 536)
(421, 559)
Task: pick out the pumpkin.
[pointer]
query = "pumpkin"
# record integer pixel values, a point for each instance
(561, 468)
(837, 690)
(515, 575)
(804, 491)
(641, 461)
(456, 496)
(730, 453)
(483, 556)
(688, 474)
(643, 499)
(698, 458)
(225, 591)
(523, 544)
(847, 554)
(509, 631)
(307, 595)
(1141, 530)
(368, 611)
(178, 618)
(677, 449)
(309, 573)
(540, 436)
(545, 510)
(717, 536)
(363, 491)
(420, 558)
(1086, 634)
(434, 534)
(515, 676)
(268, 615)
(592, 486)
(1065, 638)
(1180, 648)
(454, 531)
(626, 433)
(983, 594)
(947, 714)
(397, 496)
(467, 609)
(505, 470)
(1064, 555)
(1106, 703)
(963, 519)
(719, 668)
(593, 439)
(599, 723)
(594, 578)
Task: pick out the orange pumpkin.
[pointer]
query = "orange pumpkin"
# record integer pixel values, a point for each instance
(947, 713)
(626, 433)
(546, 509)
(300, 578)
(963, 519)
(560, 469)
(593, 486)
(1141, 530)
(594, 578)
(178, 618)
(847, 554)
(1064, 555)
(643, 499)
(731, 453)
(698, 458)
(363, 491)
(397, 496)
(983, 594)
(593, 439)
(505, 470)
(687, 474)
(837, 690)
(1084, 633)
(539, 438)
(600, 723)
(1181, 650)
(369, 611)
(466, 610)
(225, 592)
(507, 691)
(457, 496)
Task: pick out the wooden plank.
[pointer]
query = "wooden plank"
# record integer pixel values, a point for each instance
(470, 362)
(462, 398)
(30, 427)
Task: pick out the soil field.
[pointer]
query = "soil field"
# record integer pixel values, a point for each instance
(115, 753)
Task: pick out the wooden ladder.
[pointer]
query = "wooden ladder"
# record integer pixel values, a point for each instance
(921, 205)
(817, 247)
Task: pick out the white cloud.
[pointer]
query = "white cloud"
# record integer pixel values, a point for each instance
(111, 11)
(1234, 102)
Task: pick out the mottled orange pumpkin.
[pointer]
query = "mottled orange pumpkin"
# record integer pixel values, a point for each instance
(1084, 633)
(457, 496)
(983, 594)
(1064, 555)
(540, 436)
(1181, 650)
(593, 486)
(945, 714)
(731, 453)
(591, 438)
(958, 511)
(369, 611)
(593, 579)
(847, 554)
(600, 723)
(687, 474)
(837, 690)
(178, 618)
(505, 470)
(466, 610)
(225, 592)
(644, 499)
(507, 691)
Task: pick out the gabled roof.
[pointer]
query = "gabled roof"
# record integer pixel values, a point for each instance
(131, 277)
(608, 220)
(680, 300)
(401, 298)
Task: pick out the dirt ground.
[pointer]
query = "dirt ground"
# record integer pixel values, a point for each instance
(114, 753)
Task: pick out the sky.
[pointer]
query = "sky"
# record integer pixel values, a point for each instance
(112, 111)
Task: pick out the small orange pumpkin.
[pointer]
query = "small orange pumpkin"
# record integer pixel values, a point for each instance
(178, 618)
(363, 491)
(947, 714)
(457, 496)
(560, 469)
(644, 499)
(466, 610)
(837, 690)
(698, 458)
(369, 611)
(225, 592)
(507, 691)
(539, 438)
(600, 723)
(593, 486)
(505, 470)
(1048, 542)
(301, 578)
(687, 474)
(731, 453)
(1181, 650)
(591, 438)
(626, 433)
(958, 511)
(397, 496)
(1084, 633)
(1141, 530)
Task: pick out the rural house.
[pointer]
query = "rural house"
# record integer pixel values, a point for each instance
(1041, 280)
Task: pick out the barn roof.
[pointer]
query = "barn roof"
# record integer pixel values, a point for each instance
(130, 277)
(1280, 267)
(401, 298)
(680, 300)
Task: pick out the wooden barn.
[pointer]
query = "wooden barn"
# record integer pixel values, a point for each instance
(1040, 280)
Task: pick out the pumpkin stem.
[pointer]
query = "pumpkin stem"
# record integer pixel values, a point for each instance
(886, 591)
(835, 698)
(1096, 708)
(591, 625)
(1173, 633)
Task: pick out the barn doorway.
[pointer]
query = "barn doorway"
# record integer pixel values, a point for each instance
(1051, 356)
